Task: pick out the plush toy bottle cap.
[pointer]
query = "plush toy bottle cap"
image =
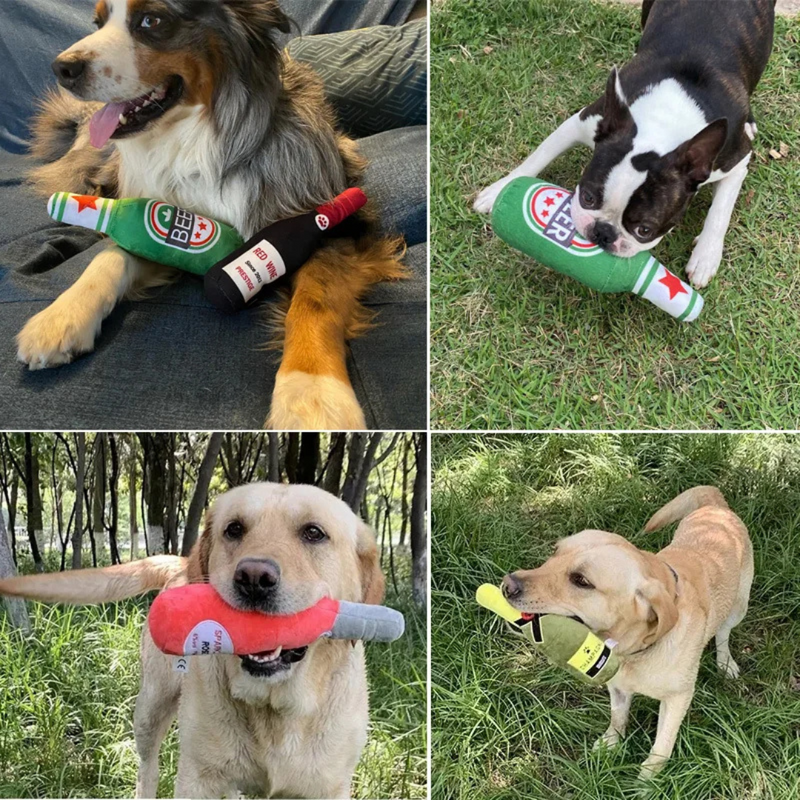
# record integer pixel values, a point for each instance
(566, 642)
(535, 217)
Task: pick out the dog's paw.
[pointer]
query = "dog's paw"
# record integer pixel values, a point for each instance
(608, 740)
(651, 766)
(484, 203)
(314, 403)
(56, 335)
(730, 668)
(704, 261)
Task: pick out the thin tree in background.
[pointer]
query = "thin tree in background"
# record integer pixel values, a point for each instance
(113, 488)
(201, 492)
(15, 607)
(99, 492)
(419, 536)
(80, 479)
(155, 453)
(31, 493)
(274, 451)
(132, 515)
(333, 469)
(308, 459)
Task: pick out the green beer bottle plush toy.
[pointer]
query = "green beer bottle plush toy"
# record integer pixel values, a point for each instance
(534, 216)
(149, 228)
(564, 641)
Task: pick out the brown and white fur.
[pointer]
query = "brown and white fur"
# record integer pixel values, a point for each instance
(250, 140)
(661, 609)
(298, 730)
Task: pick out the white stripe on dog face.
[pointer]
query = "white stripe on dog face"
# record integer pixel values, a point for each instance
(113, 75)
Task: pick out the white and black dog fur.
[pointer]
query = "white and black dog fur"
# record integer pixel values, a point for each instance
(673, 119)
(209, 115)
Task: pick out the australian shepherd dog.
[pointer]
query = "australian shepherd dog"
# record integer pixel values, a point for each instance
(193, 103)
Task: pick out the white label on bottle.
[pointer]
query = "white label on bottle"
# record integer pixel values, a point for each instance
(259, 265)
(207, 638)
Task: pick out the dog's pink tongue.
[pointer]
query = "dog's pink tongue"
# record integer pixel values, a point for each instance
(104, 122)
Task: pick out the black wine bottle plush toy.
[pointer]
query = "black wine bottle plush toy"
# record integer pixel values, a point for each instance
(275, 251)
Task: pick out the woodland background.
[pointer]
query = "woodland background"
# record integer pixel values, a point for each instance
(68, 675)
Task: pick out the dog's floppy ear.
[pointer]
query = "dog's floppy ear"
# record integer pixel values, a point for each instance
(617, 117)
(656, 606)
(197, 567)
(695, 158)
(372, 580)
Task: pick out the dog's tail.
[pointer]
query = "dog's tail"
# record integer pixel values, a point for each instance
(84, 586)
(684, 504)
(65, 160)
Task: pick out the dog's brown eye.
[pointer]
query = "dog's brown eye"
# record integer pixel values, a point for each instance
(576, 579)
(149, 21)
(642, 231)
(234, 530)
(313, 533)
(588, 199)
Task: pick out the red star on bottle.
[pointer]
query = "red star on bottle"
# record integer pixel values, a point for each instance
(559, 195)
(197, 236)
(85, 201)
(673, 283)
(545, 213)
(202, 226)
(549, 201)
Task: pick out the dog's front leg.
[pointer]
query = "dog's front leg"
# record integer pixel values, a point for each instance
(670, 716)
(572, 132)
(707, 253)
(192, 781)
(620, 709)
(70, 324)
(312, 388)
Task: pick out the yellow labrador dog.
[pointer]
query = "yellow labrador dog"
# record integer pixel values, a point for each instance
(288, 723)
(661, 608)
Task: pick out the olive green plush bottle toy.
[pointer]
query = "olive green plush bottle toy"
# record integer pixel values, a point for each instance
(564, 641)
(535, 217)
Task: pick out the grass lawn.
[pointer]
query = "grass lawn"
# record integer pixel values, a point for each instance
(506, 724)
(514, 345)
(67, 695)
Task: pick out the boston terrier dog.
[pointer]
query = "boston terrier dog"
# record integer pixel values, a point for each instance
(674, 118)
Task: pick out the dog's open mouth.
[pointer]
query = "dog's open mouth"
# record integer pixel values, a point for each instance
(271, 662)
(117, 120)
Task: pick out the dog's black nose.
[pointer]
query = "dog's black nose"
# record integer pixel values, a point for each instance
(604, 234)
(69, 71)
(256, 578)
(511, 587)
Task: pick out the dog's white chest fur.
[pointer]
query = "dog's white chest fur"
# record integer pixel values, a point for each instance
(178, 163)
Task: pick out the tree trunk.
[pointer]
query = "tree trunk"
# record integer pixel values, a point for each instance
(113, 487)
(36, 511)
(355, 455)
(419, 537)
(12, 514)
(132, 501)
(333, 473)
(309, 458)
(274, 474)
(360, 485)
(15, 607)
(80, 480)
(404, 493)
(155, 448)
(99, 495)
(201, 492)
(292, 453)
(172, 496)
(31, 490)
